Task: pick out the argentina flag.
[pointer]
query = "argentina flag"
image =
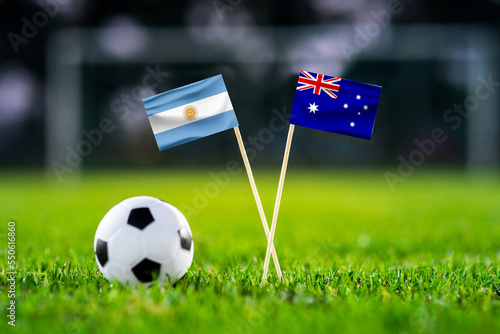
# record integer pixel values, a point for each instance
(336, 105)
(190, 112)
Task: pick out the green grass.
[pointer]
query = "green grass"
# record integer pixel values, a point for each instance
(356, 257)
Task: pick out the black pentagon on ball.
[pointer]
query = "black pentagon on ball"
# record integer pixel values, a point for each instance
(140, 218)
(186, 239)
(145, 270)
(101, 250)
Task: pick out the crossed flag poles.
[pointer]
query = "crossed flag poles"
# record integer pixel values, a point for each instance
(195, 111)
(259, 204)
(204, 108)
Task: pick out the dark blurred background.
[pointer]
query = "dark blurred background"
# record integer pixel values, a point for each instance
(66, 65)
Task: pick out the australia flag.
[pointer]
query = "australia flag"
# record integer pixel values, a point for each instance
(336, 105)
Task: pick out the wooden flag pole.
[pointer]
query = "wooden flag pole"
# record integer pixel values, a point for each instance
(278, 199)
(257, 198)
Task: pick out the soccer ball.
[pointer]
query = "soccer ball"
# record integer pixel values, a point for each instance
(142, 238)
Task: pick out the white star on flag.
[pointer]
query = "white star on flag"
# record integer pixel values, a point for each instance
(345, 106)
(365, 107)
(358, 97)
(313, 108)
(352, 124)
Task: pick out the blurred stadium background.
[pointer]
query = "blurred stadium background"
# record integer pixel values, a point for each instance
(65, 65)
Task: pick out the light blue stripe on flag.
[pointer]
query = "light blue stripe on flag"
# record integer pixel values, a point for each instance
(183, 95)
(196, 130)
(190, 112)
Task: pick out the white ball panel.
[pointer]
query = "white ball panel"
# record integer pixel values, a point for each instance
(114, 271)
(160, 241)
(125, 246)
(139, 202)
(112, 221)
(177, 265)
(165, 213)
(182, 221)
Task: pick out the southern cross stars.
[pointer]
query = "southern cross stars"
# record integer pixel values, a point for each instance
(358, 97)
(313, 108)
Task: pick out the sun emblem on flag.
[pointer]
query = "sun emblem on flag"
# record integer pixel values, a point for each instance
(190, 112)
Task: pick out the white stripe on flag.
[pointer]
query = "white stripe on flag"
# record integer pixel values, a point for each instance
(207, 107)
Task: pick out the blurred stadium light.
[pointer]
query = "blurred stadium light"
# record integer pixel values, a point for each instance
(18, 93)
(19, 105)
(69, 50)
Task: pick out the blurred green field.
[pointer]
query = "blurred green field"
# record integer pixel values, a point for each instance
(356, 257)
